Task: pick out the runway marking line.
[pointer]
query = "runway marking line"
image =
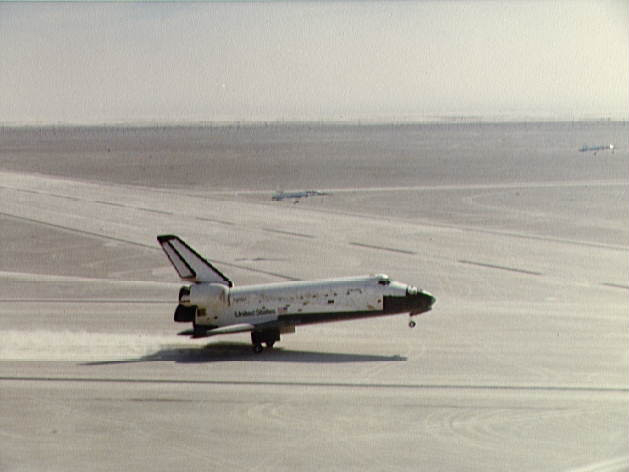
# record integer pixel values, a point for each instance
(610, 284)
(382, 248)
(118, 205)
(493, 266)
(288, 233)
(213, 220)
(151, 210)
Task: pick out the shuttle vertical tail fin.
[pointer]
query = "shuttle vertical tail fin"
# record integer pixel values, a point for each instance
(188, 263)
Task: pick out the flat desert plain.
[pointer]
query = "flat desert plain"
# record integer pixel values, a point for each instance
(521, 365)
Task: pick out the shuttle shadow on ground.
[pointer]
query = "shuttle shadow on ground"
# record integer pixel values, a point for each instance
(233, 352)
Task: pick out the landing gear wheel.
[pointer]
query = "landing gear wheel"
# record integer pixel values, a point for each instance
(268, 337)
(411, 324)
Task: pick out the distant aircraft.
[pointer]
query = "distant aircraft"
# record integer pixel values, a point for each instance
(214, 306)
(595, 149)
(281, 195)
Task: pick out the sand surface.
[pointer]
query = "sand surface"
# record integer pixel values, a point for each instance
(522, 364)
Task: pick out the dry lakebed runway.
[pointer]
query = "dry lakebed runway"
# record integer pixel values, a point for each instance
(521, 365)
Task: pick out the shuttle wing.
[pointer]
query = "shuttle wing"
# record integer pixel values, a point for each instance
(236, 328)
(231, 329)
(188, 263)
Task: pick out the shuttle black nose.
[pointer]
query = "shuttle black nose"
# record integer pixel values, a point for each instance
(426, 301)
(420, 302)
(429, 300)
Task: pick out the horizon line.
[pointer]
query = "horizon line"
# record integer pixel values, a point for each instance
(320, 122)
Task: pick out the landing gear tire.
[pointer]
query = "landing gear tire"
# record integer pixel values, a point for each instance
(411, 324)
(268, 337)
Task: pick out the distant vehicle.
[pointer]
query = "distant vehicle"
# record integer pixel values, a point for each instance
(281, 195)
(214, 306)
(595, 149)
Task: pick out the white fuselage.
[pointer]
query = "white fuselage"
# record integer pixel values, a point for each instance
(299, 302)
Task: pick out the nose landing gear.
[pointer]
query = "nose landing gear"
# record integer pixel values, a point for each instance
(411, 324)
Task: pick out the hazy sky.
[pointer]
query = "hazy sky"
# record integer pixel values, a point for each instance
(113, 62)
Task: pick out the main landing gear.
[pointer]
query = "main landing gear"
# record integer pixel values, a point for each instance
(267, 337)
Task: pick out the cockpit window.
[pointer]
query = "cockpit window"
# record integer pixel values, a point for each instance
(383, 279)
